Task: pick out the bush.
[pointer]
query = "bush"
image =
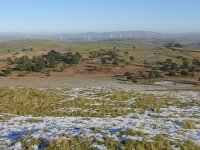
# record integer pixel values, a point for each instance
(132, 58)
(131, 78)
(8, 71)
(142, 74)
(20, 75)
(126, 53)
(48, 73)
(154, 74)
(185, 63)
(146, 62)
(172, 73)
(127, 74)
(164, 68)
(134, 80)
(157, 74)
(115, 63)
(174, 66)
(184, 73)
(104, 60)
(151, 75)
(196, 62)
(71, 58)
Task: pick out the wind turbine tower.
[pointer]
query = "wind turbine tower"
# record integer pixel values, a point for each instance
(130, 35)
(88, 38)
(84, 38)
(111, 36)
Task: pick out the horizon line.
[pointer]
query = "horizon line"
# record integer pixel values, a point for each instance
(74, 33)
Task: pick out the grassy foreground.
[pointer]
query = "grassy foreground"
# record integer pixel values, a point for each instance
(60, 102)
(159, 142)
(145, 117)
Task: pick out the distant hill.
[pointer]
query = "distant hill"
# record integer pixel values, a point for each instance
(193, 45)
(95, 36)
(18, 45)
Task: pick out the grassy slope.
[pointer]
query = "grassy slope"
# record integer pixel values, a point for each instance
(145, 49)
(35, 44)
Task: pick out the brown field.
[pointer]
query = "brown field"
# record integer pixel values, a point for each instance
(93, 69)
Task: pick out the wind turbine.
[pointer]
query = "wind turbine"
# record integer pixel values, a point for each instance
(120, 36)
(84, 38)
(130, 35)
(111, 36)
(88, 37)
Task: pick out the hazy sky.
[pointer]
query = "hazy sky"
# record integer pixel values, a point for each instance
(72, 16)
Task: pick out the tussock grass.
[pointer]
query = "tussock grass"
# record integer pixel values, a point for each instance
(132, 132)
(27, 101)
(151, 102)
(56, 102)
(158, 142)
(4, 117)
(28, 143)
(30, 120)
(87, 108)
(77, 143)
(62, 143)
(189, 124)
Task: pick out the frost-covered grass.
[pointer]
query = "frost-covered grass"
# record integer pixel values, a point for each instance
(22, 101)
(98, 118)
(77, 102)
(158, 142)
(189, 124)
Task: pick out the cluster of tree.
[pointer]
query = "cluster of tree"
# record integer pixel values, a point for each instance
(110, 56)
(153, 73)
(106, 56)
(130, 77)
(168, 68)
(9, 51)
(196, 62)
(27, 49)
(168, 65)
(36, 64)
(185, 69)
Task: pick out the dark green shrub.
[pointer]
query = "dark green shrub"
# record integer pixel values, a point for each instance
(184, 73)
(132, 58)
(8, 71)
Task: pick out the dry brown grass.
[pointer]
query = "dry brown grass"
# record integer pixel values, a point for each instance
(27, 101)
(158, 142)
(47, 102)
(189, 124)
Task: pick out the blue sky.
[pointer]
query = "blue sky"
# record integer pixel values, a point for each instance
(73, 16)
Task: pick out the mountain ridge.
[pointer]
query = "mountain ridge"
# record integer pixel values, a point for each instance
(94, 36)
